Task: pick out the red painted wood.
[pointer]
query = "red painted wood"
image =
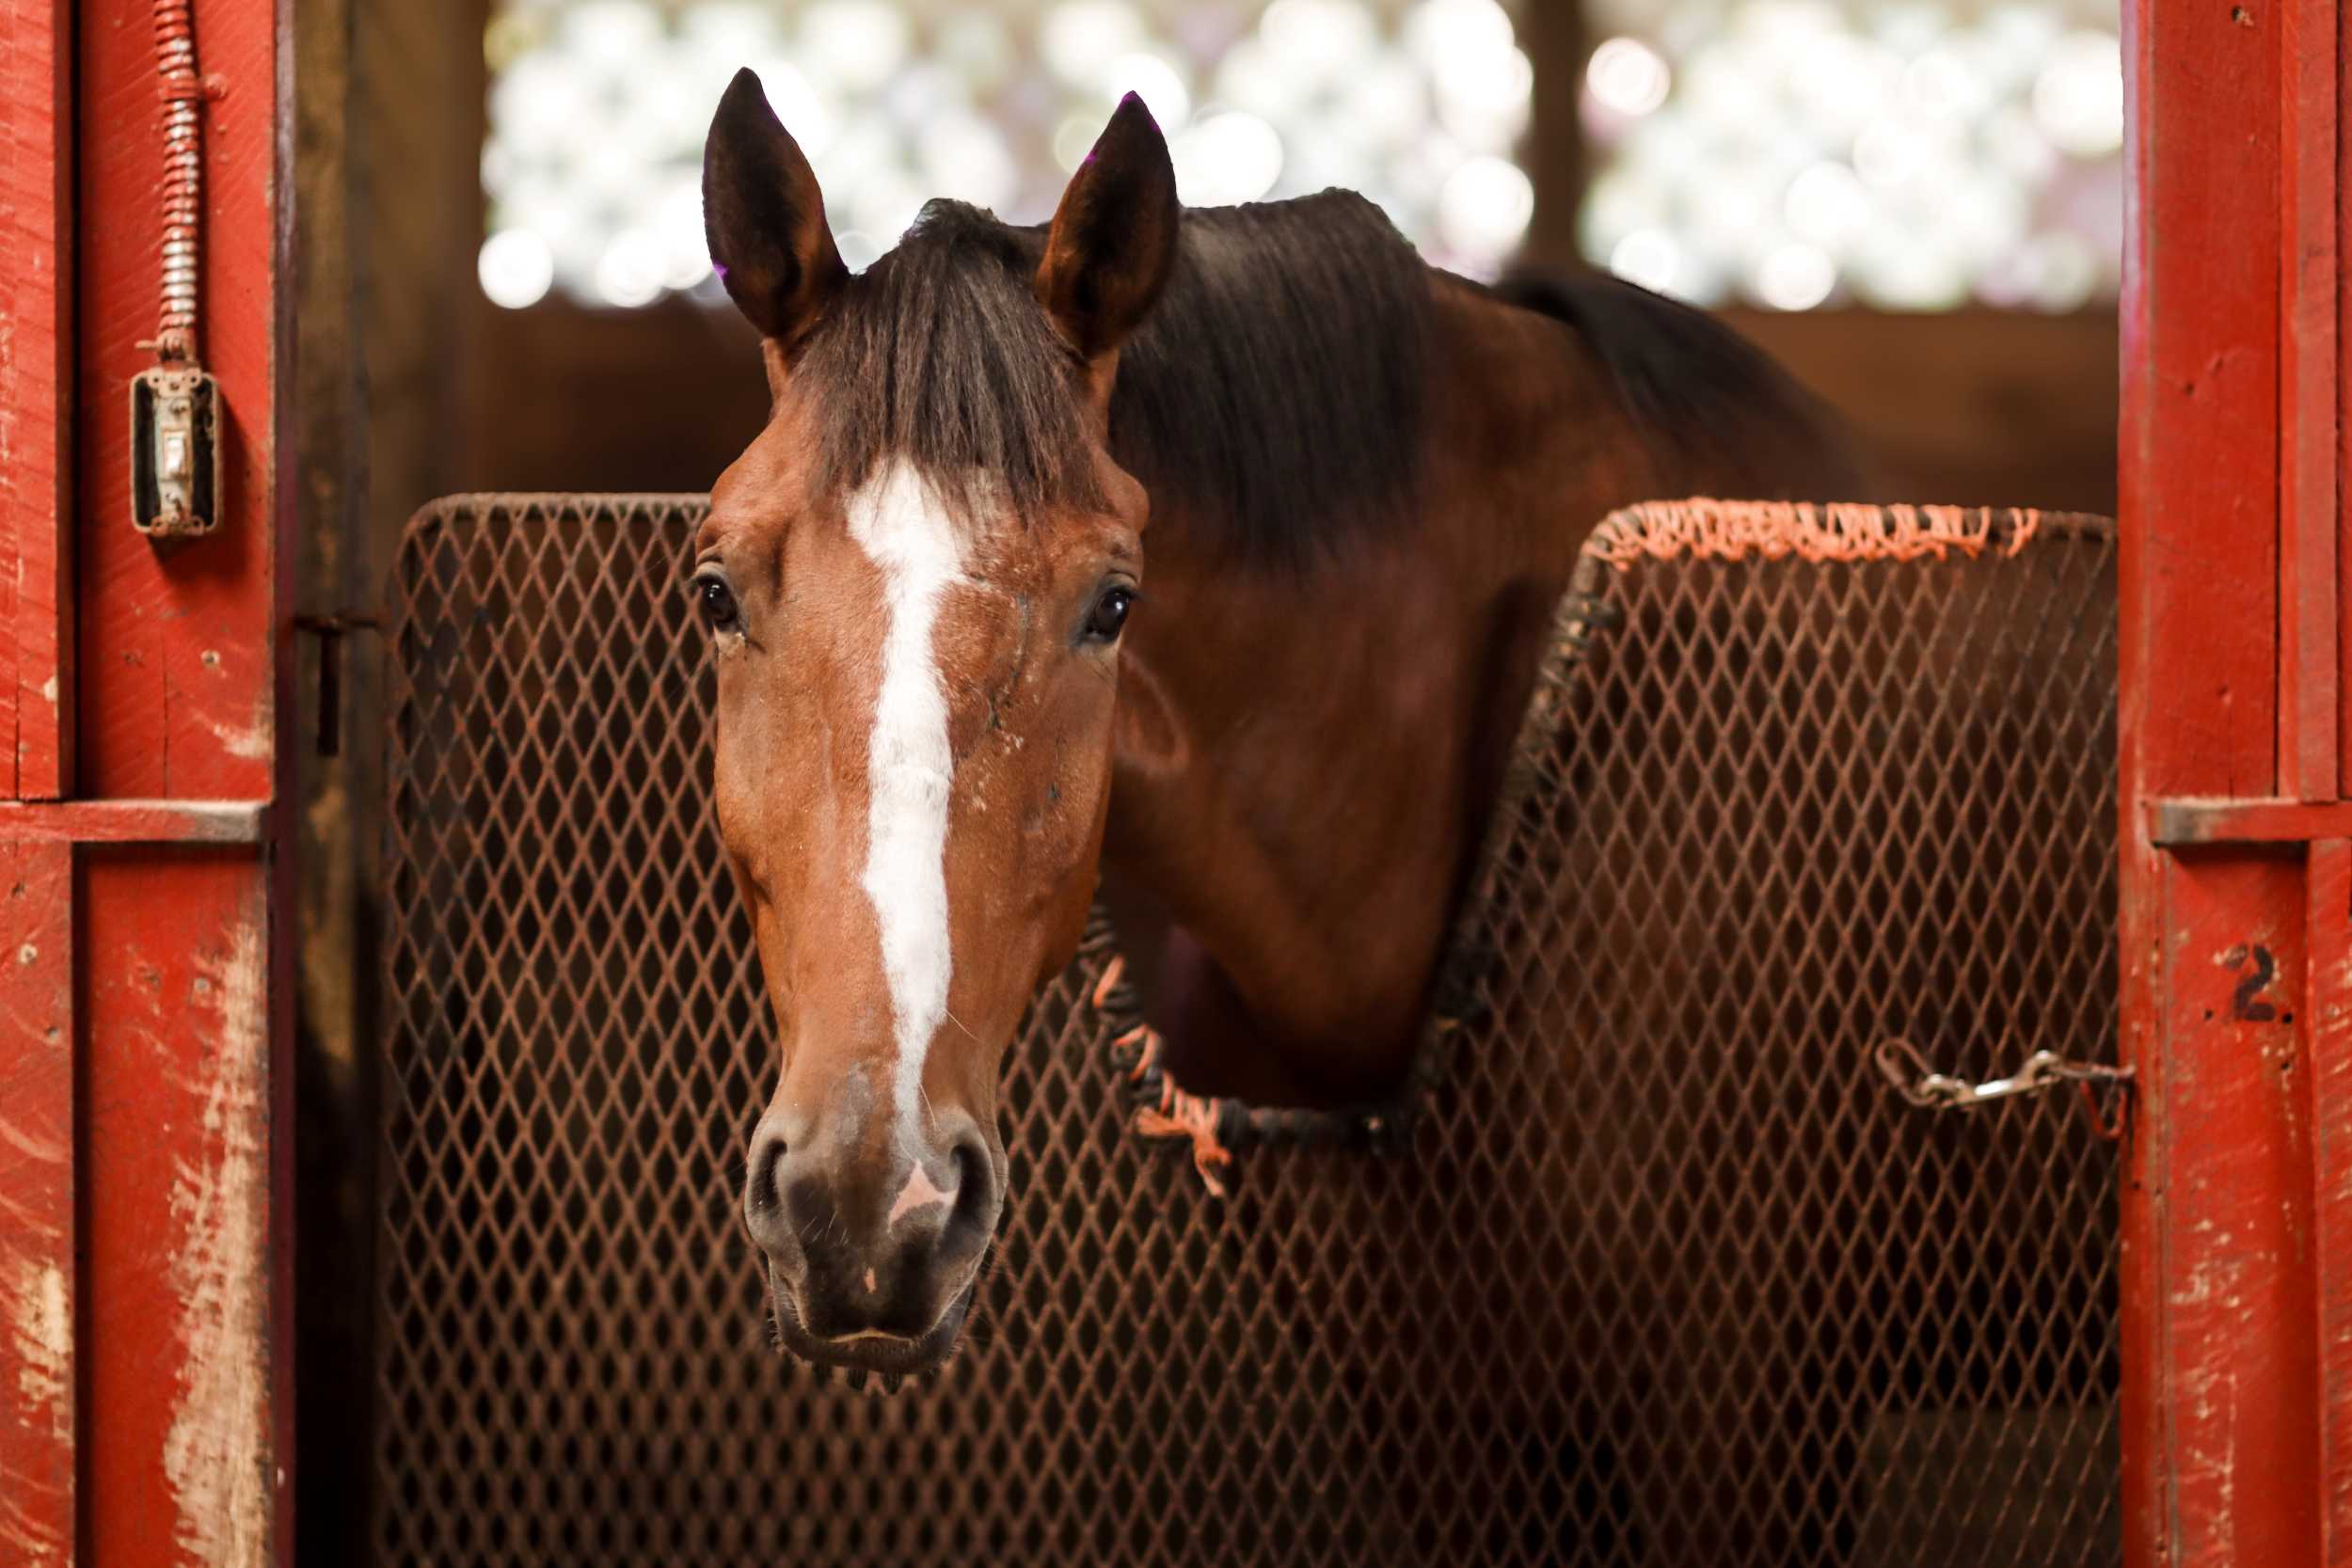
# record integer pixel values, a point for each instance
(2308, 576)
(176, 1255)
(2199, 438)
(177, 663)
(183, 1291)
(2344, 397)
(137, 821)
(2327, 1005)
(2194, 821)
(36, 400)
(2228, 634)
(37, 1229)
(2223, 1407)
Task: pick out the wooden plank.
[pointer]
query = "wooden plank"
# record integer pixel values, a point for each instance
(2219, 1402)
(2234, 1353)
(137, 821)
(2308, 568)
(2176, 822)
(2344, 397)
(2328, 1007)
(176, 642)
(175, 1181)
(183, 1289)
(1558, 41)
(37, 1228)
(36, 398)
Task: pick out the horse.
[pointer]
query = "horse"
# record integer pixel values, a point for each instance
(952, 703)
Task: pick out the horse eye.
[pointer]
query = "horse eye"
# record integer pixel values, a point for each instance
(1110, 613)
(717, 602)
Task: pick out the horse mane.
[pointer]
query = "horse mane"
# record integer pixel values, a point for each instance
(1277, 390)
(1710, 399)
(1273, 398)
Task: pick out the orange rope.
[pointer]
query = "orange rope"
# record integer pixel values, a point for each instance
(1187, 1115)
(1178, 1115)
(1733, 531)
(1146, 1041)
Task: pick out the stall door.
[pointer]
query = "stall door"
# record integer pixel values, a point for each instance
(2236, 831)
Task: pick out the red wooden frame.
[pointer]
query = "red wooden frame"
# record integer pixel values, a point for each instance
(145, 1015)
(2237, 849)
(36, 379)
(143, 1265)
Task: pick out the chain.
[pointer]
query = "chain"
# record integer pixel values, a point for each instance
(1907, 1070)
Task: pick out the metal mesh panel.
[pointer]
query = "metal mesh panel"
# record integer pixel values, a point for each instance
(1664, 1274)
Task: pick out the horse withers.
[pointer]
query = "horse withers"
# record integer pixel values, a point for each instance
(1361, 483)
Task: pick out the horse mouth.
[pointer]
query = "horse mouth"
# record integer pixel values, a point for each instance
(887, 1356)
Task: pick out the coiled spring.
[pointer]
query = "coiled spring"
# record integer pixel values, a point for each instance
(183, 176)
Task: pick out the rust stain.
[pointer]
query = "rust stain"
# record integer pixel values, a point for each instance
(215, 1452)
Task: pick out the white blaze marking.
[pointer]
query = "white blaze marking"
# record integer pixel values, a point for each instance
(899, 521)
(920, 1192)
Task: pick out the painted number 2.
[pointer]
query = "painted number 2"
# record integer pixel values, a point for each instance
(2246, 1002)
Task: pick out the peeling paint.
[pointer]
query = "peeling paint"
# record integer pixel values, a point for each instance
(39, 1341)
(40, 1335)
(47, 1151)
(214, 1453)
(49, 690)
(249, 741)
(28, 1542)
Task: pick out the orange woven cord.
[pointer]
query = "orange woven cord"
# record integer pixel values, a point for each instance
(1187, 1115)
(1109, 982)
(1843, 531)
(1146, 1041)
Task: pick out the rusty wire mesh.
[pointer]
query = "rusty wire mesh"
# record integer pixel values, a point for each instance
(1664, 1274)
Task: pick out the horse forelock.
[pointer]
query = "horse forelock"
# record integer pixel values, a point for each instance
(1274, 398)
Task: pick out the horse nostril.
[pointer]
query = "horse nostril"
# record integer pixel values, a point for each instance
(763, 1203)
(975, 1183)
(765, 1164)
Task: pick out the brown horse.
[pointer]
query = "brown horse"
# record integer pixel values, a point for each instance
(1365, 481)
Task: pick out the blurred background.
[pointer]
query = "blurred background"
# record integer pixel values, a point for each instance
(1914, 204)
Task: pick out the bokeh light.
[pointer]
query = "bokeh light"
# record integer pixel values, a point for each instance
(515, 268)
(598, 107)
(1904, 154)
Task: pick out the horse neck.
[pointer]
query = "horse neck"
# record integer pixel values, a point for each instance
(1306, 760)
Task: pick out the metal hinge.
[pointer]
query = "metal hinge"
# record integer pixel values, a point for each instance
(1907, 1070)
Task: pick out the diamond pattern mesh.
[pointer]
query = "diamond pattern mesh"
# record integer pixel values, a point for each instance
(1664, 1274)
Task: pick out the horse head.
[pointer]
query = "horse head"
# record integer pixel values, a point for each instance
(914, 581)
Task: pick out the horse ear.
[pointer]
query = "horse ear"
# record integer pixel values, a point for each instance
(765, 218)
(1113, 242)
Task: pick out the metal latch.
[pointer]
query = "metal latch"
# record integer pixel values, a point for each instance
(1907, 1070)
(175, 451)
(330, 630)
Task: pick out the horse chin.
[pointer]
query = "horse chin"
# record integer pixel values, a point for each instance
(890, 1359)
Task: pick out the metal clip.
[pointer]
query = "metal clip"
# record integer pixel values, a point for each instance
(1907, 1070)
